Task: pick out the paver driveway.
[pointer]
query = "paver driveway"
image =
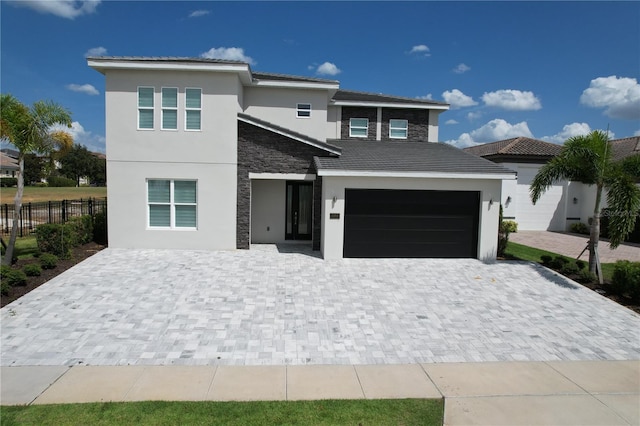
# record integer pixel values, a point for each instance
(267, 307)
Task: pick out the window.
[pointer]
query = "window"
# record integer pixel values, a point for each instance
(398, 129)
(193, 109)
(304, 110)
(145, 108)
(169, 108)
(172, 203)
(358, 127)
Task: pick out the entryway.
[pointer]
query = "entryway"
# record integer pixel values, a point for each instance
(299, 210)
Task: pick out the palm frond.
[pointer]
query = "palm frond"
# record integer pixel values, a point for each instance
(623, 197)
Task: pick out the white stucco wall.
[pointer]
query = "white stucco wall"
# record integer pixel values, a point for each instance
(209, 156)
(333, 229)
(334, 123)
(268, 198)
(278, 106)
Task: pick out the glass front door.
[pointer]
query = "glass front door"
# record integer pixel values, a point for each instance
(299, 210)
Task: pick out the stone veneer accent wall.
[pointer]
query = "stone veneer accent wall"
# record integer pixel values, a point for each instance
(262, 151)
(418, 123)
(359, 112)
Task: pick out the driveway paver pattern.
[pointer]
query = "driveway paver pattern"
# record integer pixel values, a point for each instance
(268, 307)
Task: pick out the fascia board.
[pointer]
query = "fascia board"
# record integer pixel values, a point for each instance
(422, 175)
(296, 84)
(101, 66)
(390, 105)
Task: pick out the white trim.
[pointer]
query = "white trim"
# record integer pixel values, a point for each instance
(366, 134)
(296, 84)
(299, 110)
(163, 108)
(431, 175)
(379, 125)
(271, 129)
(199, 129)
(282, 176)
(152, 108)
(390, 105)
(406, 128)
(172, 205)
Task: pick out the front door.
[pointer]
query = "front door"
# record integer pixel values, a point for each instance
(299, 210)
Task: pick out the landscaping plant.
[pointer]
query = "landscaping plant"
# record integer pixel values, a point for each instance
(48, 260)
(626, 279)
(32, 270)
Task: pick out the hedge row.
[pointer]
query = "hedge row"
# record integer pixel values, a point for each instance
(61, 238)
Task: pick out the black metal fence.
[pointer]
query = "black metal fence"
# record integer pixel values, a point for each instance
(34, 214)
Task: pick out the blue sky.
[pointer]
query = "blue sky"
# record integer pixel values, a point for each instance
(548, 70)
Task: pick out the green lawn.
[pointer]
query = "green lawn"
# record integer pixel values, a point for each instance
(523, 252)
(329, 412)
(34, 194)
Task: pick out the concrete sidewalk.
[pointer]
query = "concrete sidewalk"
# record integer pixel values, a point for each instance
(496, 393)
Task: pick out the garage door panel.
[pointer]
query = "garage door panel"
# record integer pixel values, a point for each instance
(411, 223)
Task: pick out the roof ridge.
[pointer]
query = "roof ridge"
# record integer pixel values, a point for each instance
(275, 74)
(360, 92)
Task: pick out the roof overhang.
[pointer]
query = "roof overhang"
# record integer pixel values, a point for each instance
(296, 84)
(421, 175)
(391, 105)
(105, 64)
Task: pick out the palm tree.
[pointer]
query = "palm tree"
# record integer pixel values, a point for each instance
(30, 131)
(589, 159)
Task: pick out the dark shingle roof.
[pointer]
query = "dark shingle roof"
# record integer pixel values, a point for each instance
(520, 147)
(332, 149)
(286, 77)
(623, 148)
(370, 156)
(351, 95)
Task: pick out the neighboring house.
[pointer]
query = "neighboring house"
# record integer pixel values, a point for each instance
(8, 166)
(561, 205)
(207, 154)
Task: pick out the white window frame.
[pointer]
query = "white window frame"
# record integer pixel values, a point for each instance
(405, 128)
(351, 127)
(152, 108)
(301, 108)
(172, 206)
(163, 108)
(192, 109)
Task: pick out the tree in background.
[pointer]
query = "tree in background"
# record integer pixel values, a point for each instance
(77, 163)
(30, 131)
(33, 169)
(589, 159)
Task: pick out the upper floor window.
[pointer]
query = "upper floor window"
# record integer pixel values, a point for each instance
(172, 203)
(169, 108)
(398, 129)
(145, 107)
(303, 110)
(193, 109)
(358, 127)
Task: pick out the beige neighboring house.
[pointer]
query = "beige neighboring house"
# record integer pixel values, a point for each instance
(209, 154)
(8, 166)
(561, 205)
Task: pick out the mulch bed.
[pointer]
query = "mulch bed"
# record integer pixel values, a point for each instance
(78, 255)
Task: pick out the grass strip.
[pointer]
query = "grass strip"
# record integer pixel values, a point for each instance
(34, 194)
(326, 412)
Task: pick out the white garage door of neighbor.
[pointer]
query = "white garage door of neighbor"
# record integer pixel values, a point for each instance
(548, 214)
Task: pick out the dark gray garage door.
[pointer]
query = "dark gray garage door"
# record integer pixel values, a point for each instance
(409, 223)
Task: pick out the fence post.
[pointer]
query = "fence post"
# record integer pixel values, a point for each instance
(64, 211)
(6, 216)
(49, 218)
(21, 220)
(30, 217)
(90, 205)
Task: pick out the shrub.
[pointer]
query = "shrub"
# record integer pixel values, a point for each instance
(8, 182)
(558, 262)
(510, 225)
(579, 228)
(41, 184)
(15, 277)
(570, 269)
(100, 228)
(60, 181)
(503, 234)
(581, 264)
(626, 278)
(48, 260)
(586, 277)
(4, 287)
(83, 229)
(56, 238)
(4, 271)
(32, 270)
(546, 259)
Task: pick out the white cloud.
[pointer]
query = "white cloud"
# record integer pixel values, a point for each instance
(83, 88)
(93, 142)
(69, 9)
(474, 115)
(452, 121)
(636, 133)
(514, 100)
(494, 130)
(427, 97)
(96, 51)
(461, 69)
(619, 95)
(457, 99)
(420, 48)
(229, 54)
(198, 13)
(328, 69)
(568, 130)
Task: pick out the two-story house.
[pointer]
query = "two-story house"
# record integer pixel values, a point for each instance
(208, 154)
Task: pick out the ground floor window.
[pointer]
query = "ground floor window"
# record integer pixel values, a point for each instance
(172, 203)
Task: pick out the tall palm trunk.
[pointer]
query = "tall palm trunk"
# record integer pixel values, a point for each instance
(8, 256)
(594, 237)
